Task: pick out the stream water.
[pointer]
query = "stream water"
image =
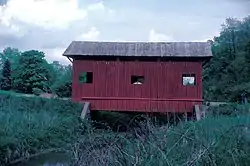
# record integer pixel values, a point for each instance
(51, 159)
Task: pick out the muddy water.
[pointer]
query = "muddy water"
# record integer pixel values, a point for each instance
(51, 159)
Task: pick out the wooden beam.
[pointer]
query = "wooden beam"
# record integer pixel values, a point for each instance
(70, 60)
(85, 110)
(200, 112)
(197, 112)
(150, 99)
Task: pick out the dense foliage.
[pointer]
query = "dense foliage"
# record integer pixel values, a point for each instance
(29, 72)
(214, 141)
(227, 75)
(32, 72)
(5, 81)
(62, 79)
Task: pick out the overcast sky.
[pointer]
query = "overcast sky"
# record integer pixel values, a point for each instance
(50, 25)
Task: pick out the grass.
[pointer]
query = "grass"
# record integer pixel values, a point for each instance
(213, 141)
(33, 125)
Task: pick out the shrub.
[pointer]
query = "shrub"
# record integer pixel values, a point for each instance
(37, 91)
(232, 109)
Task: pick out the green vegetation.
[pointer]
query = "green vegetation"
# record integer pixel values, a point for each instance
(213, 141)
(29, 72)
(5, 82)
(32, 125)
(230, 64)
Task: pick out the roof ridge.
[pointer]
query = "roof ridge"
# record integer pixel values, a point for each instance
(90, 41)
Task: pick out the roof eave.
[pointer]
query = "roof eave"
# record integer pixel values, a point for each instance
(178, 56)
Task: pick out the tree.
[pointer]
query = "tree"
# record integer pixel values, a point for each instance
(10, 54)
(32, 72)
(230, 63)
(57, 70)
(5, 83)
(63, 84)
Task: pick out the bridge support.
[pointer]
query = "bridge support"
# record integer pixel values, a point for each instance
(200, 111)
(86, 110)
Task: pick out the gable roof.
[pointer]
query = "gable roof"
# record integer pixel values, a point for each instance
(149, 49)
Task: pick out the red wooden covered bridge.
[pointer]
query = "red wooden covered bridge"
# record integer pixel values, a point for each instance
(138, 76)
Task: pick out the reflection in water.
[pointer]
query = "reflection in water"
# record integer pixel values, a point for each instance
(57, 164)
(51, 159)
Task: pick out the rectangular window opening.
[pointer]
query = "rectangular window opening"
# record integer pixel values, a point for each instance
(188, 79)
(86, 77)
(137, 79)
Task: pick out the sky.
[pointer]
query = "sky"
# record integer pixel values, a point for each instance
(51, 25)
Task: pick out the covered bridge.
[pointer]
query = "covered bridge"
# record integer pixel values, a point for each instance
(138, 76)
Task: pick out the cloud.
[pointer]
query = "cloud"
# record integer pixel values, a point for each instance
(91, 35)
(242, 3)
(51, 25)
(55, 54)
(3, 2)
(48, 25)
(96, 6)
(44, 13)
(155, 37)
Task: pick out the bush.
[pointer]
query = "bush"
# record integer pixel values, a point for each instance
(233, 109)
(37, 91)
(62, 89)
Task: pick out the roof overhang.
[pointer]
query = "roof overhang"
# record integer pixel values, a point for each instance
(87, 49)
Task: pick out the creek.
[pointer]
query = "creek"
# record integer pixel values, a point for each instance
(50, 159)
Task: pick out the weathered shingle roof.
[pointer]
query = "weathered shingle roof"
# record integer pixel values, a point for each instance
(161, 49)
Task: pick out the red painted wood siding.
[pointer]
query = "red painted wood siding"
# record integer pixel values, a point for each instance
(162, 90)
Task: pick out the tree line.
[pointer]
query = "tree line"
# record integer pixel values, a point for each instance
(30, 73)
(227, 76)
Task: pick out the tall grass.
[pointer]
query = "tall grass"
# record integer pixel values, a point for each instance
(31, 125)
(221, 140)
